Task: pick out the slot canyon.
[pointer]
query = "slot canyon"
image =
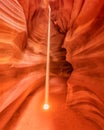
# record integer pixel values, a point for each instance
(76, 75)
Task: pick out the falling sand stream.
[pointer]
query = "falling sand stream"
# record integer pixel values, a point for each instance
(46, 105)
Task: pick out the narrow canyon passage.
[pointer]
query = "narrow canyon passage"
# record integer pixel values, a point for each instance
(76, 85)
(31, 114)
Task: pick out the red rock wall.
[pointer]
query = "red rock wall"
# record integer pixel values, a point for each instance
(84, 43)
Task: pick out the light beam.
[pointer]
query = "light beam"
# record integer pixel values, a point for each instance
(46, 106)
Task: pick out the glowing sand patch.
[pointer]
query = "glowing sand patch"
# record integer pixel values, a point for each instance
(46, 106)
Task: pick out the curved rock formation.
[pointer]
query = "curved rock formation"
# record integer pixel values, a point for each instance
(76, 64)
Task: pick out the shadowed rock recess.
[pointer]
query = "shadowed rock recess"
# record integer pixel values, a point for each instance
(76, 85)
